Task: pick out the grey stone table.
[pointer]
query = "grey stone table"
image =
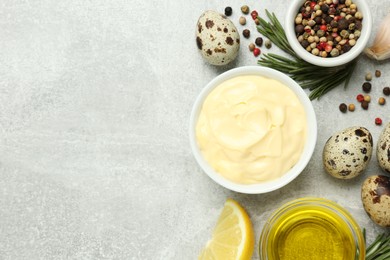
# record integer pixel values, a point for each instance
(95, 163)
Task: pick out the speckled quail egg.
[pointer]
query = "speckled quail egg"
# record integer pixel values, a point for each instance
(376, 199)
(217, 38)
(383, 149)
(347, 153)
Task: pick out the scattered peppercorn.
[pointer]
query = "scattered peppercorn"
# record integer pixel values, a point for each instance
(256, 52)
(364, 105)
(366, 87)
(351, 107)
(259, 41)
(367, 98)
(386, 91)
(378, 73)
(246, 33)
(343, 107)
(228, 11)
(257, 21)
(381, 101)
(252, 46)
(254, 14)
(368, 76)
(378, 121)
(268, 44)
(360, 98)
(242, 20)
(245, 9)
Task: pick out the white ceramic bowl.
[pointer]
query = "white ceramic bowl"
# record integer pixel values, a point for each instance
(308, 148)
(361, 43)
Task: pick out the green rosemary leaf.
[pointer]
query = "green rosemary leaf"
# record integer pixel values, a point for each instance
(379, 249)
(319, 80)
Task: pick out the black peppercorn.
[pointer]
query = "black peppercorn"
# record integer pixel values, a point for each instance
(342, 24)
(305, 43)
(366, 87)
(228, 11)
(333, 24)
(299, 28)
(324, 8)
(259, 41)
(364, 105)
(346, 48)
(352, 19)
(318, 20)
(358, 25)
(328, 19)
(386, 91)
(246, 33)
(343, 107)
(332, 11)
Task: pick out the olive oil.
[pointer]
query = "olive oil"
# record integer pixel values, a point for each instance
(309, 232)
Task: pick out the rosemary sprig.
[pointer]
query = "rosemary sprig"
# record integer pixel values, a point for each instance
(319, 80)
(379, 249)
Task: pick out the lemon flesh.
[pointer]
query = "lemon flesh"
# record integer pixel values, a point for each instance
(233, 236)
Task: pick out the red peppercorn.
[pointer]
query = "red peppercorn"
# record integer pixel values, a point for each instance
(322, 46)
(312, 5)
(254, 14)
(360, 98)
(378, 121)
(338, 18)
(323, 27)
(256, 52)
(328, 48)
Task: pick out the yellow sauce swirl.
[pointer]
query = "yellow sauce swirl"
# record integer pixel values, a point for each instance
(251, 129)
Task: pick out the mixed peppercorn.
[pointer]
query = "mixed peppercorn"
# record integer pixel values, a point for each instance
(328, 28)
(246, 33)
(365, 100)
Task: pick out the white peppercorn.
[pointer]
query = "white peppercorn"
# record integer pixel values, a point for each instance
(343, 41)
(358, 15)
(368, 76)
(298, 20)
(242, 20)
(268, 44)
(334, 52)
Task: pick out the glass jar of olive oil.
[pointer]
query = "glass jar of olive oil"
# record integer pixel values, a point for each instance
(311, 228)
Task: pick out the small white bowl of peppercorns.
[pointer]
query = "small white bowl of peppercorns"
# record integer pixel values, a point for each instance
(328, 33)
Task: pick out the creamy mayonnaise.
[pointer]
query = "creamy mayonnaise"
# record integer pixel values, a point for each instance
(251, 129)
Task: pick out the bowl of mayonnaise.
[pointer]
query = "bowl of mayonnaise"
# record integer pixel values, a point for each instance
(253, 129)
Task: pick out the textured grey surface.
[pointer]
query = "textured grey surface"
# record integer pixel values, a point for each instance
(95, 162)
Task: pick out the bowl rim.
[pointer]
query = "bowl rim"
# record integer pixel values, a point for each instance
(326, 204)
(310, 139)
(331, 61)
